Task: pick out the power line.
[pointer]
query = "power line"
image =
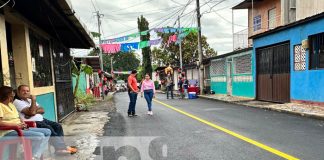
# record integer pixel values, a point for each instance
(5, 4)
(94, 7)
(132, 6)
(149, 11)
(197, 8)
(158, 19)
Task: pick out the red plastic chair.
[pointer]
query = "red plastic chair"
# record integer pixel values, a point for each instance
(20, 140)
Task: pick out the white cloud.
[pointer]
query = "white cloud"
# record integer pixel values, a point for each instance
(120, 17)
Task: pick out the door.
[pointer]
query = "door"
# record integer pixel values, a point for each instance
(1, 74)
(63, 81)
(229, 78)
(12, 72)
(273, 73)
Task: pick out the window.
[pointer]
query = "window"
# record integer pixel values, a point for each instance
(316, 51)
(217, 67)
(257, 22)
(243, 64)
(299, 58)
(272, 18)
(41, 60)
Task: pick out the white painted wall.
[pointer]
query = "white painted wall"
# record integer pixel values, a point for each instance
(306, 8)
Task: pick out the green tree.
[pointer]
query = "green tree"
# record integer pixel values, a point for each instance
(143, 25)
(76, 73)
(121, 62)
(94, 52)
(170, 53)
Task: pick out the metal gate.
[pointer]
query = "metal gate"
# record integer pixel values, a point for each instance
(273, 73)
(63, 81)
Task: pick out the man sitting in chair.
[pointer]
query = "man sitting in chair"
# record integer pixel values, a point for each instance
(30, 111)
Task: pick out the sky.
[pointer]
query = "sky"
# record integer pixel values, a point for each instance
(120, 18)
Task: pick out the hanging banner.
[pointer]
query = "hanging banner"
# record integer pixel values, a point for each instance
(122, 72)
(110, 48)
(144, 33)
(127, 47)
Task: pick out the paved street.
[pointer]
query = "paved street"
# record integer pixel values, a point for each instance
(197, 135)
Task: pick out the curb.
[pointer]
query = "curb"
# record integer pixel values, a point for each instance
(314, 116)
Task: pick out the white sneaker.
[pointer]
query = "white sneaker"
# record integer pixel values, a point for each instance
(151, 113)
(148, 112)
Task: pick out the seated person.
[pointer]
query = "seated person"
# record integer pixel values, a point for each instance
(9, 117)
(31, 111)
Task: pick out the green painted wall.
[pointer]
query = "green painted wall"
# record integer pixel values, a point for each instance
(243, 85)
(219, 87)
(243, 89)
(47, 102)
(82, 82)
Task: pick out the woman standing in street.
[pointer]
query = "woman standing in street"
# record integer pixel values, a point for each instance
(149, 92)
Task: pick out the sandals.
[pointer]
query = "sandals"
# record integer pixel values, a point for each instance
(72, 149)
(68, 151)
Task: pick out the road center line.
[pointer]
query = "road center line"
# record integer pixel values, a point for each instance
(246, 139)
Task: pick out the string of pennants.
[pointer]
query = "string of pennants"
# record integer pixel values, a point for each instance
(111, 46)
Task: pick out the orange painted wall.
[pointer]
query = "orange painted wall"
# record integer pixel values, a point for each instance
(262, 8)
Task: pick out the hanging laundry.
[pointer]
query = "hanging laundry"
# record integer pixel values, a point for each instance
(110, 48)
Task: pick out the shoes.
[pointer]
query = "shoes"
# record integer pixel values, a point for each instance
(148, 112)
(151, 113)
(130, 115)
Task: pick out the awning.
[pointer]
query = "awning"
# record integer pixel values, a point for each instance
(56, 18)
(93, 61)
(246, 4)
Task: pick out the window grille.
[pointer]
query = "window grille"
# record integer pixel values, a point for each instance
(243, 64)
(41, 60)
(217, 67)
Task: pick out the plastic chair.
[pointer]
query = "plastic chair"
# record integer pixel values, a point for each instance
(26, 143)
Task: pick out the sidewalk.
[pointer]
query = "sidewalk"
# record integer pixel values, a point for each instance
(306, 110)
(83, 129)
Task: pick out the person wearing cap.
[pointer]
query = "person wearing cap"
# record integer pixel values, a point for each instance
(132, 92)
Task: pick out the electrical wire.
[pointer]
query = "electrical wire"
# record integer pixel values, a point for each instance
(5, 4)
(131, 6)
(152, 22)
(94, 7)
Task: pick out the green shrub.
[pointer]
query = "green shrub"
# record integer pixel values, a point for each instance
(85, 100)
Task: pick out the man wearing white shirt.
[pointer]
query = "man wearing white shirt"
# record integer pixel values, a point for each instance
(30, 110)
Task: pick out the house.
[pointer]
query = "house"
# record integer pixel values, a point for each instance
(192, 73)
(264, 15)
(232, 74)
(35, 40)
(290, 62)
(286, 40)
(86, 81)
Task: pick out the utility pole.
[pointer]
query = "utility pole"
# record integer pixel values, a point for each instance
(180, 44)
(100, 55)
(200, 53)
